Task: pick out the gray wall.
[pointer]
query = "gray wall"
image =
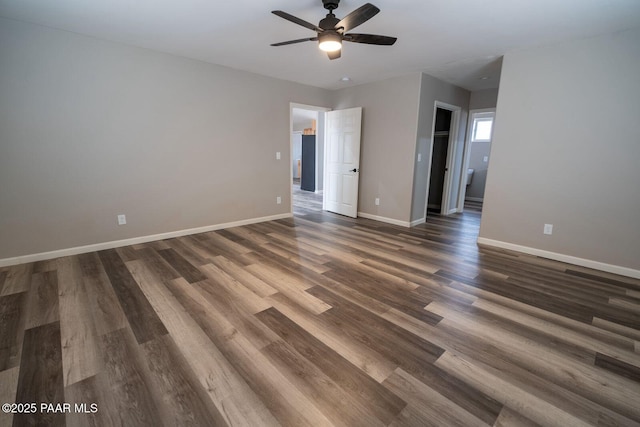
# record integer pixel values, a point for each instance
(431, 90)
(480, 99)
(566, 150)
(90, 129)
(389, 123)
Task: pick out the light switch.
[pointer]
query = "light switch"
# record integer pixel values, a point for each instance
(277, 155)
(419, 157)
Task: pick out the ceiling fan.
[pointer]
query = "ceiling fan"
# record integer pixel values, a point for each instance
(331, 31)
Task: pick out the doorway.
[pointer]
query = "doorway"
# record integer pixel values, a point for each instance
(476, 157)
(439, 160)
(442, 191)
(307, 158)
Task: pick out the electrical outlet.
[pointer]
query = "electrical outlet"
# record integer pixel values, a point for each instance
(122, 219)
(485, 159)
(548, 229)
(277, 155)
(278, 200)
(377, 201)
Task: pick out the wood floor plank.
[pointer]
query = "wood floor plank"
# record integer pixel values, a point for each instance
(43, 300)
(382, 336)
(257, 286)
(304, 260)
(582, 338)
(104, 306)
(177, 386)
(619, 367)
(190, 273)
(231, 395)
(332, 400)
(532, 407)
(616, 328)
(41, 379)
(432, 405)
(159, 264)
(510, 418)
(142, 318)
(17, 279)
(8, 386)
(251, 302)
(289, 286)
(556, 367)
(233, 313)
(401, 296)
(285, 402)
(43, 266)
(458, 341)
(88, 392)
(79, 337)
(359, 355)
(13, 315)
(130, 387)
(361, 387)
(180, 246)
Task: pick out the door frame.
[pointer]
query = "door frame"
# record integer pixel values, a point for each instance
(452, 149)
(467, 152)
(319, 109)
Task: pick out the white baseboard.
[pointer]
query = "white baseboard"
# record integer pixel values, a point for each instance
(418, 222)
(384, 219)
(474, 199)
(452, 211)
(596, 265)
(134, 241)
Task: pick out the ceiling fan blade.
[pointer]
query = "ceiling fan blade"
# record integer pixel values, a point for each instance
(297, 20)
(370, 39)
(358, 16)
(308, 39)
(334, 55)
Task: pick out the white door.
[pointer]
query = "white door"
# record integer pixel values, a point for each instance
(342, 161)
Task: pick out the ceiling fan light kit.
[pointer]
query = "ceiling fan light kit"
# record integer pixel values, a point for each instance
(331, 31)
(329, 41)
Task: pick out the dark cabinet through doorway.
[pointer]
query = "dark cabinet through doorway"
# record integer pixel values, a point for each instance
(308, 178)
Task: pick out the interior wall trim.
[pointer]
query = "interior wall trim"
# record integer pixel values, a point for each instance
(596, 265)
(134, 241)
(384, 219)
(417, 222)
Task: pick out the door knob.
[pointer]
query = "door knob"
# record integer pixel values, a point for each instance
(354, 170)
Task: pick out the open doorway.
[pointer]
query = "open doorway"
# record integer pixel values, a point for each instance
(307, 158)
(476, 157)
(439, 154)
(442, 191)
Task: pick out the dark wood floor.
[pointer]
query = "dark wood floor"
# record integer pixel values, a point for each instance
(305, 202)
(320, 320)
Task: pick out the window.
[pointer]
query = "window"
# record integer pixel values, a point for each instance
(482, 127)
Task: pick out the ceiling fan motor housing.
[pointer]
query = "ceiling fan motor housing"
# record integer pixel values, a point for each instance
(329, 23)
(330, 4)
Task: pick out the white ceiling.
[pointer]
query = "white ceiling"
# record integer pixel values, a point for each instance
(458, 41)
